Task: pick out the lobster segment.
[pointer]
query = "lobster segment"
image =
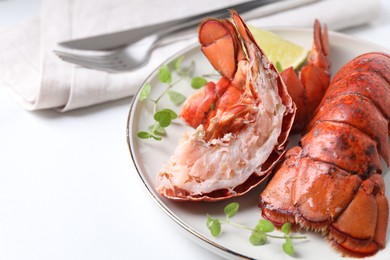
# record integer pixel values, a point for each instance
(342, 145)
(369, 84)
(373, 62)
(332, 182)
(359, 112)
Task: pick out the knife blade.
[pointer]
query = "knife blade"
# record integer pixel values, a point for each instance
(120, 39)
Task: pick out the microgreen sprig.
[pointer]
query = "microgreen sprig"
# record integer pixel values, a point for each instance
(198, 82)
(164, 117)
(259, 234)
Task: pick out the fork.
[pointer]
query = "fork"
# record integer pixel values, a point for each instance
(121, 60)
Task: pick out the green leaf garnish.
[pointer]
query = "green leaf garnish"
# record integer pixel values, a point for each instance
(198, 82)
(177, 63)
(157, 129)
(288, 246)
(264, 226)
(145, 91)
(164, 74)
(176, 97)
(146, 135)
(163, 118)
(286, 228)
(143, 135)
(258, 239)
(259, 235)
(157, 138)
(214, 226)
(231, 209)
(171, 113)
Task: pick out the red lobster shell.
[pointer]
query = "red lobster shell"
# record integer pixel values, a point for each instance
(332, 182)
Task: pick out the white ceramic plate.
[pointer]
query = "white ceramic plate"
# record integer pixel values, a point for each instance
(149, 156)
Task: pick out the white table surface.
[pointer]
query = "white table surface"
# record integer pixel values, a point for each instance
(68, 189)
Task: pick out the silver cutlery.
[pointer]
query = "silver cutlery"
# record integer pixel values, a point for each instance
(132, 49)
(124, 59)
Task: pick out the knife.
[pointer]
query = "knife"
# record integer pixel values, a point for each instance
(123, 38)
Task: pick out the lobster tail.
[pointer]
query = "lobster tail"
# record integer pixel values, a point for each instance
(243, 121)
(332, 182)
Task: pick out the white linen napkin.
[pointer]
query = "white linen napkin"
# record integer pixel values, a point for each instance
(38, 79)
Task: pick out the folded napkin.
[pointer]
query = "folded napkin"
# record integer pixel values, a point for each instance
(38, 79)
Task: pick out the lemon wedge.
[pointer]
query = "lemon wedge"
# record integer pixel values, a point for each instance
(279, 50)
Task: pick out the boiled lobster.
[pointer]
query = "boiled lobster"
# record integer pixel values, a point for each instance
(332, 182)
(247, 131)
(306, 88)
